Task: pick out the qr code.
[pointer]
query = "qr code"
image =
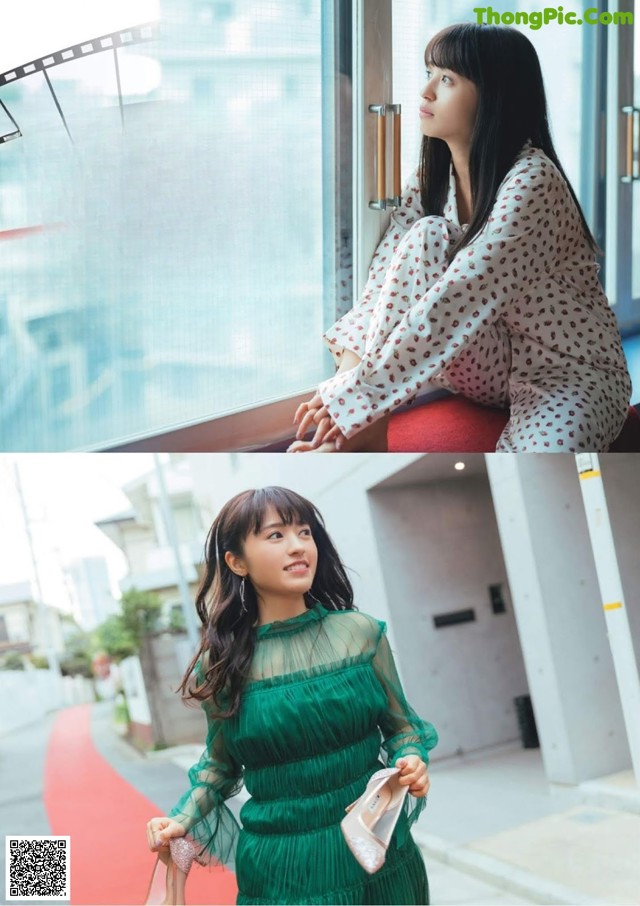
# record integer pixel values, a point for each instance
(37, 868)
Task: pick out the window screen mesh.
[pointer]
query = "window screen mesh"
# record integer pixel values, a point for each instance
(161, 221)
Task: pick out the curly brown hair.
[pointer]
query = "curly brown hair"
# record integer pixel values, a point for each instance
(228, 634)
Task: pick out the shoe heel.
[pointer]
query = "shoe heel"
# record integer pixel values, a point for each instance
(365, 847)
(183, 854)
(371, 819)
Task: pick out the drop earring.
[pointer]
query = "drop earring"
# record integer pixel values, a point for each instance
(242, 592)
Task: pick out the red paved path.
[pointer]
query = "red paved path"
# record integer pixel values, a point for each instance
(105, 817)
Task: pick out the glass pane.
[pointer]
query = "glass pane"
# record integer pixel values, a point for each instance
(164, 262)
(635, 233)
(559, 50)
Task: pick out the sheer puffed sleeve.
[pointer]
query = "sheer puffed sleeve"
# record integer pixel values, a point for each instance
(217, 776)
(404, 733)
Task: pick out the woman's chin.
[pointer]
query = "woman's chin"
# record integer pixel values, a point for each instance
(427, 128)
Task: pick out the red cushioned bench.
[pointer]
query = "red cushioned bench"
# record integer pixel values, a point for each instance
(456, 425)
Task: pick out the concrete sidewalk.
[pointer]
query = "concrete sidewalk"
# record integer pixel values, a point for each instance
(495, 817)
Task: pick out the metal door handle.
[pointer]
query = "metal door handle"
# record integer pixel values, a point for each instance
(382, 202)
(632, 154)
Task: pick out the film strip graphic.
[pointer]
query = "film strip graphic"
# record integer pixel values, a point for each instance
(125, 37)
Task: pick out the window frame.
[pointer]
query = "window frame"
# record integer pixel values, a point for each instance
(619, 196)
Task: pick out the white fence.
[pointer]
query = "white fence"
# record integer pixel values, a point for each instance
(134, 690)
(27, 695)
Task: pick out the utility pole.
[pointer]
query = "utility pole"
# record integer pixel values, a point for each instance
(44, 613)
(618, 630)
(169, 524)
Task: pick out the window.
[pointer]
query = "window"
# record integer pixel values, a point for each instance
(168, 219)
(180, 204)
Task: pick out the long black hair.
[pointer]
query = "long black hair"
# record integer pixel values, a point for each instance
(512, 108)
(228, 634)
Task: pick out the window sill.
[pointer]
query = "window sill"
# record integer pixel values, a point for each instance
(265, 428)
(246, 430)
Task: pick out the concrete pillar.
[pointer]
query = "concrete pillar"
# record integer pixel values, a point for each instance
(559, 614)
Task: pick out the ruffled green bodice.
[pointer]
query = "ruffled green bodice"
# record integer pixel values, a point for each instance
(322, 711)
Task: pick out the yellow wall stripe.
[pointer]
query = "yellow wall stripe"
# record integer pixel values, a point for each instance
(613, 606)
(592, 473)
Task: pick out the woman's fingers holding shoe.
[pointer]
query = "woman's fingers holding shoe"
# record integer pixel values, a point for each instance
(414, 773)
(161, 830)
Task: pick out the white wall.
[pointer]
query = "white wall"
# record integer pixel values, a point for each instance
(27, 695)
(439, 549)
(337, 485)
(134, 690)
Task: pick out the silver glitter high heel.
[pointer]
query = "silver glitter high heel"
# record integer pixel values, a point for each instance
(167, 888)
(372, 818)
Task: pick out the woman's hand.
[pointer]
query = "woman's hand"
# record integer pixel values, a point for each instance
(161, 830)
(413, 771)
(308, 414)
(314, 412)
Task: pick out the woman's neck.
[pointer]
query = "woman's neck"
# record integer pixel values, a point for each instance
(460, 160)
(460, 152)
(272, 609)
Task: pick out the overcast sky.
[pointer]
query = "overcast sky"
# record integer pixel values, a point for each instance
(64, 494)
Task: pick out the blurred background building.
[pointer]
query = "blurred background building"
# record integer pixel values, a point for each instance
(90, 590)
(24, 626)
(142, 536)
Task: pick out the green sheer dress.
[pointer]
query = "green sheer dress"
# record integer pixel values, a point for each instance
(323, 710)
